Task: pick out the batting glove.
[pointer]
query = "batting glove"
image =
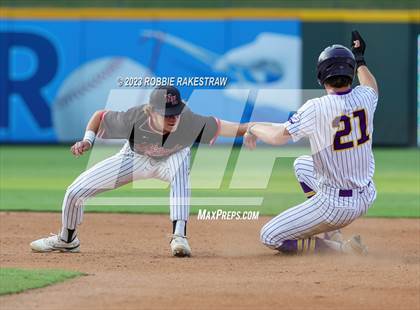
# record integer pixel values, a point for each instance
(358, 48)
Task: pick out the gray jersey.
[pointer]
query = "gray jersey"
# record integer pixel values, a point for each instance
(134, 125)
(339, 127)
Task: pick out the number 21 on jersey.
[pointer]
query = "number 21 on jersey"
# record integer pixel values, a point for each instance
(346, 129)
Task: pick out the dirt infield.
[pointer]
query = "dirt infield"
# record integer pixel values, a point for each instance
(128, 264)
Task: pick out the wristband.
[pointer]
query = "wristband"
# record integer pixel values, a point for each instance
(360, 61)
(90, 136)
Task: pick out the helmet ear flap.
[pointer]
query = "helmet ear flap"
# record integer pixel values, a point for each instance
(318, 76)
(320, 73)
(324, 70)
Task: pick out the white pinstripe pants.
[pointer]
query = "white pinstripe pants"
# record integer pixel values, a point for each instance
(125, 167)
(325, 211)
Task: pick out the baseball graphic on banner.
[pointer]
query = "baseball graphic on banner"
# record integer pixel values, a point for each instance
(86, 90)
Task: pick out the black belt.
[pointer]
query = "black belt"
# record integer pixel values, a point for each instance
(347, 192)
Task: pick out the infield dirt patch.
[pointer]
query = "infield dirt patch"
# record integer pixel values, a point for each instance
(129, 266)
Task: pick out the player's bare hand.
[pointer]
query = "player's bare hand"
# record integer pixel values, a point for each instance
(80, 147)
(250, 141)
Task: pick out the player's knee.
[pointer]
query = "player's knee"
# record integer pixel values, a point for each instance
(74, 194)
(265, 237)
(71, 194)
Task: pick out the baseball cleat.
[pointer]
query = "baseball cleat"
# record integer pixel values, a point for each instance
(180, 246)
(54, 243)
(354, 246)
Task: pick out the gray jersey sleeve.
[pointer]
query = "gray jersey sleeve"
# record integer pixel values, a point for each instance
(302, 123)
(118, 125)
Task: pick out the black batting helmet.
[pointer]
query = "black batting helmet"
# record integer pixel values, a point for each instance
(335, 60)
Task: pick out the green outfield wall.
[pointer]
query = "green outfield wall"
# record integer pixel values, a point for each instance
(391, 55)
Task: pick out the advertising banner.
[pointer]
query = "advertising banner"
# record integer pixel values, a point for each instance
(56, 73)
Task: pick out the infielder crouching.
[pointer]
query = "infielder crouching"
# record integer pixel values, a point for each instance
(337, 178)
(159, 137)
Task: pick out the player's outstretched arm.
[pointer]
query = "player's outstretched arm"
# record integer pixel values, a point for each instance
(358, 47)
(274, 134)
(91, 129)
(366, 78)
(229, 129)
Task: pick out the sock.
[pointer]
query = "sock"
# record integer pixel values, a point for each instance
(309, 192)
(308, 245)
(68, 235)
(179, 228)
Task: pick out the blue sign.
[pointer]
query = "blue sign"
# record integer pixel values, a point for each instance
(55, 74)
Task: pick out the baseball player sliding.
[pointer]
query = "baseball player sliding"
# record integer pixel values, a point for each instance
(337, 178)
(159, 137)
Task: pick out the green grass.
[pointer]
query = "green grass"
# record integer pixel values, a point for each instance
(14, 280)
(34, 178)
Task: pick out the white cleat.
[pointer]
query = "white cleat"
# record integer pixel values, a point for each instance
(54, 243)
(180, 246)
(354, 246)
